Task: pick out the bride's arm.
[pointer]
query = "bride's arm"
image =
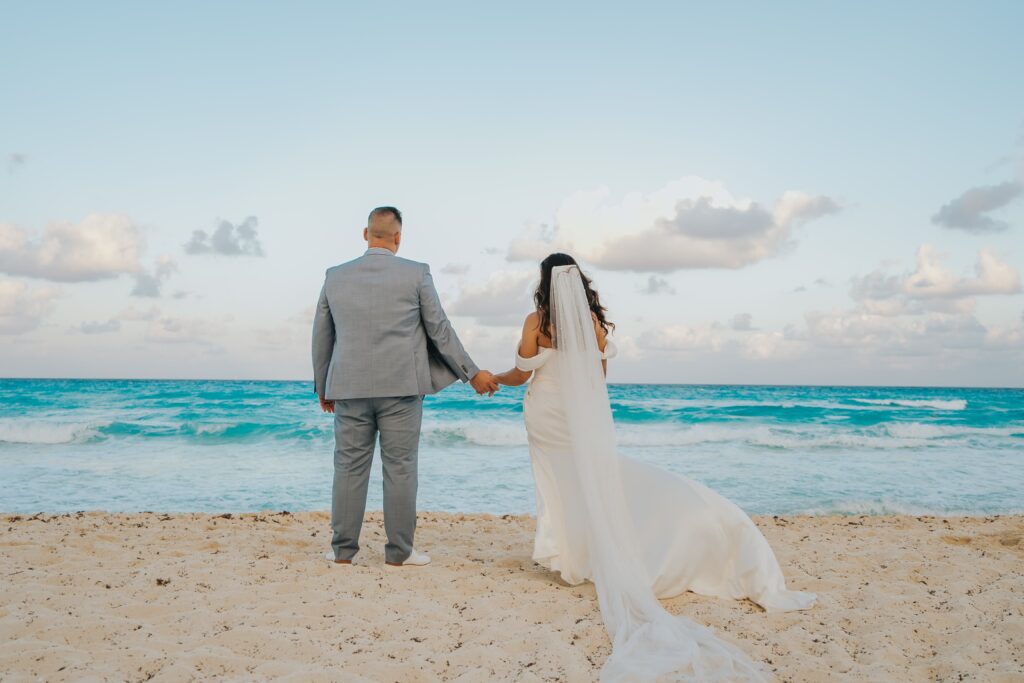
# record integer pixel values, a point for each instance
(528, 348)
(602, 343)
(513, 378)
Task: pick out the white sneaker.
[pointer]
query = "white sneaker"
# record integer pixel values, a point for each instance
(330, 558)
(416, 559)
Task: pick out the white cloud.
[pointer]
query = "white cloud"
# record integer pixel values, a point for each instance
(22, 309)
(1006, 337)
(970, 210)
(870, 334)
(100, 246)
(683, 338)
(927, 312)
(770, 345)
(849, 338)
(504, 299)
(931, 280)
(228, 240)
(931, 286)
(796, 208)
(735, 340)
(690, 223)
(899, 321)
(149, 284)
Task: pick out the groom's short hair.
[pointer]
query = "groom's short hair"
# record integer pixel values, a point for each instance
(385, 211)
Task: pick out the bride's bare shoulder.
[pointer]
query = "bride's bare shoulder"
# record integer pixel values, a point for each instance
(528, 346)
(602, 334)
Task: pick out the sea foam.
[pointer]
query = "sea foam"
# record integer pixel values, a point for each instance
(21, 431)
(933, 404)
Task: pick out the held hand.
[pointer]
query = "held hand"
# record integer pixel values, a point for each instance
(484, 383)
(325, 405)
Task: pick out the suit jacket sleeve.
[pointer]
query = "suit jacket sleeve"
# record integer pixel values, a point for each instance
(323, 342)
(440, 331)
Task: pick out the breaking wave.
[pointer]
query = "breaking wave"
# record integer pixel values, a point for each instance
(933, 404)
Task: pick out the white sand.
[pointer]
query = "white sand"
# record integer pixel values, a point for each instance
(99, 596)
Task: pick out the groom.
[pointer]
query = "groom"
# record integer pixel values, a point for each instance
(380, 342)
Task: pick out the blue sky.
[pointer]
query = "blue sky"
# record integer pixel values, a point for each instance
(757, 189)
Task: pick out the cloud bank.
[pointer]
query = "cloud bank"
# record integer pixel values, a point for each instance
(22, 308)
(504, 299)
(931, 286)
(919, 321)
(690, 223)
(99, 247)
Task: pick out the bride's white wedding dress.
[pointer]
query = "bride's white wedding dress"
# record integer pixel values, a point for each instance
(635, 530)
(690, 537)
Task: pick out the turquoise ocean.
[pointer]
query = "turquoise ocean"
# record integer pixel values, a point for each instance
(132, 445)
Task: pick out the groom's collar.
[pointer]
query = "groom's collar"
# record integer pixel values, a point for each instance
(379, 250)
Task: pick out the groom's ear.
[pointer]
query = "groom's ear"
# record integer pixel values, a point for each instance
(366, 234)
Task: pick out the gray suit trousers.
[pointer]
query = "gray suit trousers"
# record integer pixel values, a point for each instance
(357, 422)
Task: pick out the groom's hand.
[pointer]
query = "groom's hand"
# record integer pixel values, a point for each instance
(484, 383)
(325, 405)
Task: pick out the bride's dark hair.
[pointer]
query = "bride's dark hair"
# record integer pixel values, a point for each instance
(542, 297)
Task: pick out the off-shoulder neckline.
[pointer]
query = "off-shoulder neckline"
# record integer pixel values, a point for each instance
(540, 352)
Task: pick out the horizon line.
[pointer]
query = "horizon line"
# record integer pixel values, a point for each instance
(666, 384)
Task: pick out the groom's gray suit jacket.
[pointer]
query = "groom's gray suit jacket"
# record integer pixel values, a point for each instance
(379, 330)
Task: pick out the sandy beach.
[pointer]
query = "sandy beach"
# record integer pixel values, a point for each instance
(149, 596)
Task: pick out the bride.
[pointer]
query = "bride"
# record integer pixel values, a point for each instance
(638, 532)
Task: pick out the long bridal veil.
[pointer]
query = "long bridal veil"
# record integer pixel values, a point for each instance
(648, 643)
